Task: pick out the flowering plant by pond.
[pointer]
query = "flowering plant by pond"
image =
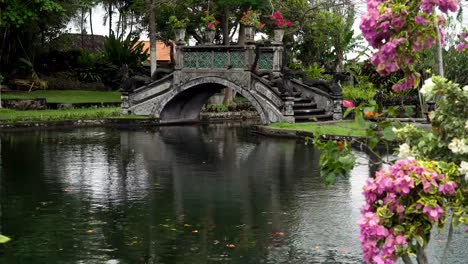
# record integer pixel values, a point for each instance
(251, 18)
(428, 185)
(279, 22)
(209, 21)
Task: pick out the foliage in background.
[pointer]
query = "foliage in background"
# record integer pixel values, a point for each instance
(125, 51)
(25, 26)
(251, 18)
(359, 93)
(174, 22)
(88, 69)
(324, 32)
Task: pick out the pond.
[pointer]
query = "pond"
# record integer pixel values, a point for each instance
(192, 194)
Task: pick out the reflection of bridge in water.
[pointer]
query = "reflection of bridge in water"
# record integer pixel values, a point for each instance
(255, 73)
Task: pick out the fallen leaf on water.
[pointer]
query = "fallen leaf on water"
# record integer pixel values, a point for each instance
(231, 246)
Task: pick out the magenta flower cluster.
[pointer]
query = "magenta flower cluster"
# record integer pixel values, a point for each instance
(393, 30)
(463, 45)
(389, 195)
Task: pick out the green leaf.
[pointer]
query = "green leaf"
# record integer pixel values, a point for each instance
(348, 111)
(373, 142)
(420, 240)
(4, 239)
(388, 134)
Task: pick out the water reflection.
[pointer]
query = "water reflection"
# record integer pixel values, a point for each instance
(172, 195)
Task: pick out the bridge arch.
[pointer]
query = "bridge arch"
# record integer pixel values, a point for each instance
(184, 102)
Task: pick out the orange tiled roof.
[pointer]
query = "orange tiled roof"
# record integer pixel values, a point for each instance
(163, 52)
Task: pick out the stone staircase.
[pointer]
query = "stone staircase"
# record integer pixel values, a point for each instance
(305, 110)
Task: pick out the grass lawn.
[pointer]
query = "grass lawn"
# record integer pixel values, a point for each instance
(9, 115)
(338, 128)
(67, 96)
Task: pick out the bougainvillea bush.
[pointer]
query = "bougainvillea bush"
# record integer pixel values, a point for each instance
(427, 186)
(401, 29)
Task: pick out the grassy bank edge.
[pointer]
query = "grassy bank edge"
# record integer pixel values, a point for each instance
(338, 128)
(14, 116)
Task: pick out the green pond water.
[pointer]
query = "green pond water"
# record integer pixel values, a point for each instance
(193, 194)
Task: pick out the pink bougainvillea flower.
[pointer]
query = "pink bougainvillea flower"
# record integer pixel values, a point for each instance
(448, 188)
(420, 20)
(433, 213)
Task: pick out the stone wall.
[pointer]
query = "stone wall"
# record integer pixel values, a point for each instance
(25, 104)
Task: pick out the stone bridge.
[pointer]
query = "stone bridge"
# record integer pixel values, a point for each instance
(202, 71)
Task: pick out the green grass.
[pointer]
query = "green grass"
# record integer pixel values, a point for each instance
(67, 96)
(9, 115)
(338, 128)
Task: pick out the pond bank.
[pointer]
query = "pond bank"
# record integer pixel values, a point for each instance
(118, 121)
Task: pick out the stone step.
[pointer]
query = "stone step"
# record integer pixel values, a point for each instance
(308, 105)
(299, 112)
(311, 118)
(298, 99)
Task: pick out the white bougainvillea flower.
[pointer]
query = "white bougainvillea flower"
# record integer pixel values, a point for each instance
(458, 146)
(464, 169)
(404, 151)
(428, 88)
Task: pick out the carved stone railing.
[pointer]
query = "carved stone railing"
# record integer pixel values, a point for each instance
(221, 58)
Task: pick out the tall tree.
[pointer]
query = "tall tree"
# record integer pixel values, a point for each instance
(26, 25)
(152, 35)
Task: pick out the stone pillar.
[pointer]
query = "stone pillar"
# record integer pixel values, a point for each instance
(179, 58)
(337, 109)
(125, 104)
(277, 58)
(288, 111)
(249, 56)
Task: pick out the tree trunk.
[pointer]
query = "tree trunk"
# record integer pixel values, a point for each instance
(91, 24)
(110, 18)
(152, 36)
(241, 39)
(131, 23)
(118, 24)
(339, 61)
(82, 26)
(225, 23)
